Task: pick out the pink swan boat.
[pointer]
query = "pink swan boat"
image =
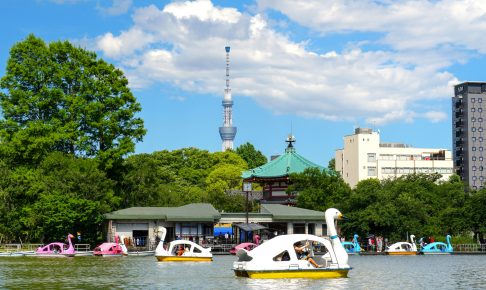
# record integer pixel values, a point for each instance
(110, 249)
(57, 249)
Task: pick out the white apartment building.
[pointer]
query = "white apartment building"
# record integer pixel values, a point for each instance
(363, 157)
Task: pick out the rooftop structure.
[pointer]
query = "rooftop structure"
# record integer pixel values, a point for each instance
(363, 157)
(274, 176)
(227, 131)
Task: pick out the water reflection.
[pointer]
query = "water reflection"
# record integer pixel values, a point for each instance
(369, 272)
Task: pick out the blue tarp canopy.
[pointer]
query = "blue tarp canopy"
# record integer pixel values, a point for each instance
(222, 231)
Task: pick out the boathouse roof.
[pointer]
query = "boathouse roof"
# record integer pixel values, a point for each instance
(203, 212)
(283, 165)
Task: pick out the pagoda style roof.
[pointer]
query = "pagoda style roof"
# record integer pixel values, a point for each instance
(282, 166)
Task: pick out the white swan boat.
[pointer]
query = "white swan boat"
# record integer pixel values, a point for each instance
(181, 251)
(277, 258)
(403, 248)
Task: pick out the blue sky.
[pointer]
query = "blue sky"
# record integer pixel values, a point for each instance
(318, 68)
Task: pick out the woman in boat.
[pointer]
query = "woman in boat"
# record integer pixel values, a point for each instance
(302, 254)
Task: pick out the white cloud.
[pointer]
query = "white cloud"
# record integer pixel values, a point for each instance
(183, 44)
(178, 98)
(118, 7)
(435, 116)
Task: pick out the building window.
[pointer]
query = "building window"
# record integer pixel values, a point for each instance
(474, 139)
(480, 100)
(474, 148)
(474, 158)
(480, 119)
(480, 139)
(480, 168)
(480, 110)
(371, 171)
(474, 178)
(480, 148)
(473, 100)
(473, 110)
(371, 157)
(473, 119)
(480, 129)
(480, 158)
(473, 129)
(481, 178)
(474, 168)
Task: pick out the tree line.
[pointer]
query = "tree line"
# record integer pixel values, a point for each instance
(416, 204)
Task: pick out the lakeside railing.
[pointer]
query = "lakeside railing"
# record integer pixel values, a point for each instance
(469, 248)
(18, 247)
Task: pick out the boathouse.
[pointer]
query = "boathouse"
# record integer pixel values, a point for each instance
(274, 175)
(138, 226)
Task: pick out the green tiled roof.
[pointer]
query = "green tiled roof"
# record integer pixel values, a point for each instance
(283, 212)
(289, 162)
(203, 212)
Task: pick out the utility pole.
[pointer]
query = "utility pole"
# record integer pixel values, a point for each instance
(246, 189)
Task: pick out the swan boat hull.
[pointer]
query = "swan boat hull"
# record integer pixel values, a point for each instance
(289, 274)
(183, 259)
(402, 253)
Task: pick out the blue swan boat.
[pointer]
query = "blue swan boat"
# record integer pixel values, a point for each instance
(352, 247)
(438, 248)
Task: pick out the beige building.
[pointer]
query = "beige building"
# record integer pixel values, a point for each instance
(363, 157)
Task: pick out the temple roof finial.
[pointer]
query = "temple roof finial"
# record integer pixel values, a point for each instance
(290, 140)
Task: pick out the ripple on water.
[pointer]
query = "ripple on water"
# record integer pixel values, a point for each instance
(369, 272)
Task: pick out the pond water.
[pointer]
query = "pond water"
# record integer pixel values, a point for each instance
(369, 272)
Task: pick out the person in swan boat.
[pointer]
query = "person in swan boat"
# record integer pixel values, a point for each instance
(303, 254)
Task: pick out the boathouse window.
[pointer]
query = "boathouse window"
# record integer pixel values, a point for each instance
(299, 228)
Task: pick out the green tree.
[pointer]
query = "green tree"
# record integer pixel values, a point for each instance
(63, 98)
(253, 157)
(318, 190)
(477, 214)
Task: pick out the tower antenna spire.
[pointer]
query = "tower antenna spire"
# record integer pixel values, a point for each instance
(227, 131)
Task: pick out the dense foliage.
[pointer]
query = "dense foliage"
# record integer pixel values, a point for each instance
(62, 98)
(415, 204)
